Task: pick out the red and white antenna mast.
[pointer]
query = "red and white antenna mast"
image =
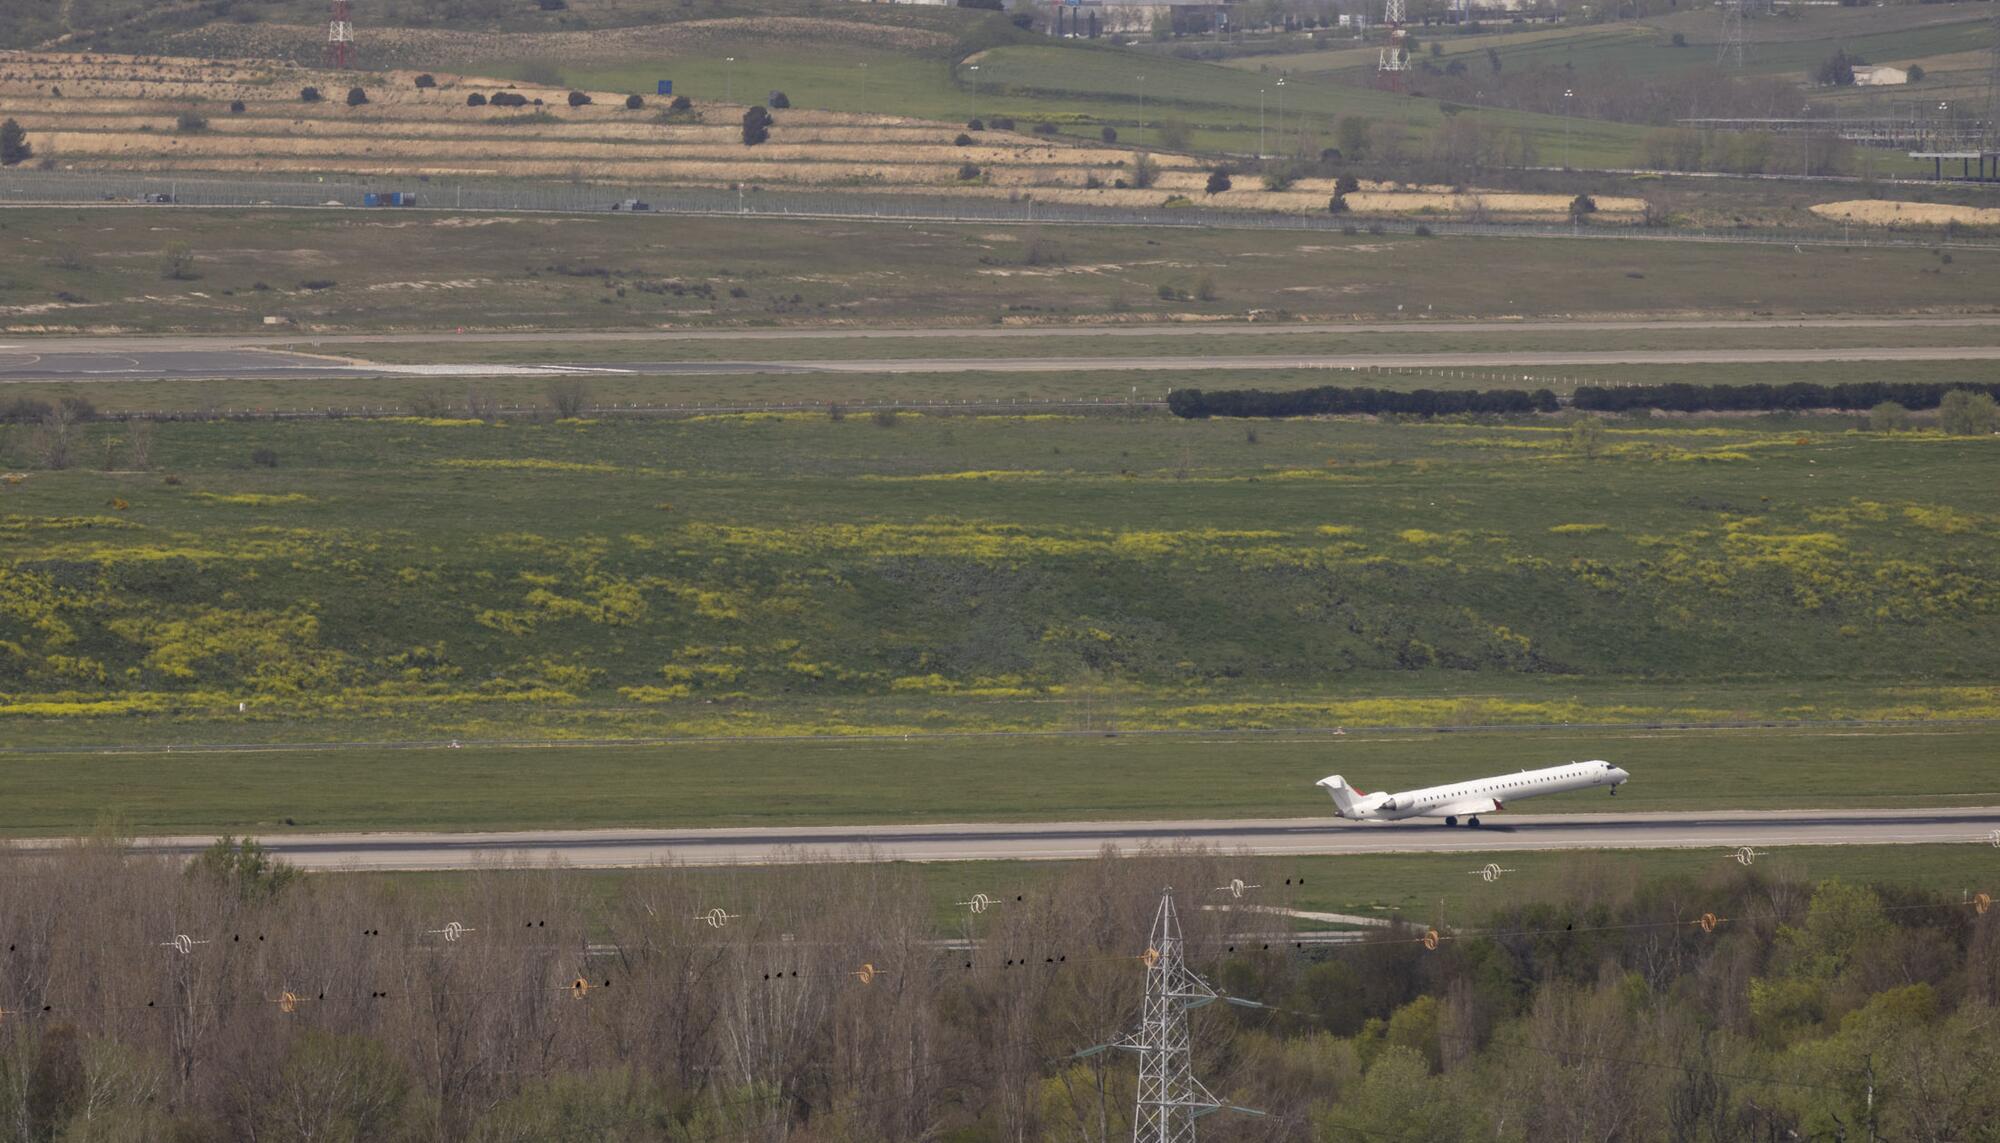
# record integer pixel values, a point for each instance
(1394, 62)
(340, 37)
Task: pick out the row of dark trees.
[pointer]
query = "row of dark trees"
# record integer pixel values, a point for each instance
(1679, 397)
(1335, 400)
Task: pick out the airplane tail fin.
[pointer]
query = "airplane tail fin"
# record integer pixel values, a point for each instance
(1344, 795)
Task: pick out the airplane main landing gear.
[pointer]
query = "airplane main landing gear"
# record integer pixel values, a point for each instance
(1473, 822)
(1450, 821)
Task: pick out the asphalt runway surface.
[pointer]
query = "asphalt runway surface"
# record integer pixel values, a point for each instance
(617, 848)
(18, 363)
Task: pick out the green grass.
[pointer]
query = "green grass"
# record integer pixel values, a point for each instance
(1419, 887)
(755, 578)
(90, 270)
(929, 780)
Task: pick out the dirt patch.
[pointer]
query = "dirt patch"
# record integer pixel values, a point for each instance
(1877, 212)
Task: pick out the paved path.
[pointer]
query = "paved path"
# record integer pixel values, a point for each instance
(20, 364)
(1973, 827)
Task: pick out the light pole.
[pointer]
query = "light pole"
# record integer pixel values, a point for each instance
(1567, 92)
(971, 90)
(1260, 122)
(728, 75)
(1142, 102)
(1281, 111)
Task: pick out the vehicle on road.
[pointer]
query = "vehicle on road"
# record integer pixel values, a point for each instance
(632, 204)
(1470, 799)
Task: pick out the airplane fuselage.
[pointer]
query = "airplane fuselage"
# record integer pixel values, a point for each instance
(1470, 799)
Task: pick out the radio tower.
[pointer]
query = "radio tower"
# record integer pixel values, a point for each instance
(1395, 59)
(1730, 52)
(1170, 1098)
(340, 37)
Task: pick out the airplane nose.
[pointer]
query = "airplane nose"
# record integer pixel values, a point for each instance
(1620, 776)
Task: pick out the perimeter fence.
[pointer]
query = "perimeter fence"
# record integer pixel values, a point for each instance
(31, 187)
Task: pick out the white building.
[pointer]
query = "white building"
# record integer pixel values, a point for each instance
(1871, 75)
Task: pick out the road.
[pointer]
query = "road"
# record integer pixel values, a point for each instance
(19, 364)
(614, 848)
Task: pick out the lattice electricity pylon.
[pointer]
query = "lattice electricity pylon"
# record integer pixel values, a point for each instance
(340, 37)
(1729, 49)
(1170, 1098)
(1394, 60)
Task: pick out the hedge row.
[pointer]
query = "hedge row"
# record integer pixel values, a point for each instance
(1684, 398)
(1676, 398)
(1329, 399)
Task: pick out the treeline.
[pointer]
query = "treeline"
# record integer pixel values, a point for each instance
(1678, 397)
(1332, 400)
(825, 1003)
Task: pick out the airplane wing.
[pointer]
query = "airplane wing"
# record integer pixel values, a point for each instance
(1465, 808)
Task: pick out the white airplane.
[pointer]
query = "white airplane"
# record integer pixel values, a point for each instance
(1470, 799)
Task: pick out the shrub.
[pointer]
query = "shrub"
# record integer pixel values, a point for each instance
(1175, 133)
(1422, 230)
(1278, 179)
(1680, 39)
(1964, 413)
(778, 100)
(1916, 73)
(177, 262)
(13, 144)
(1109, 134)
(578, 99)
(317, 284)
(1888, 417)
(569, 397)
(236, 107)
(475, 100)
(681, 103)
(885, 418)
(756, 126)
(309, 95)
(1002, 123)
(189, 122)
(1582, 205)
(508, 99)
(968, 172)
(1144, 171)
(356, 97)
(1045, 128)
(1337, 204)
(427, 80)
(962, 141)
(974, 125)
(634, 103)
(1205, 289)
(1346, 184)
(1218, 181)
(264, 458)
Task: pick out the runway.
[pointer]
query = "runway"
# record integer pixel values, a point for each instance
(19, 364)
(617, 848)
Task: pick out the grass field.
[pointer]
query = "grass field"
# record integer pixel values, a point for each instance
(764, 577)
(86, 270)
(930, 780)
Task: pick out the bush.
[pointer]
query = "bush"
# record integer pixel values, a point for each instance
(1339, 401)
(1045, 128)
(189, 122)
(1916, 73)
(968, 172)
(177, 262)
(681, 103)
(1337, 204)
(1346, 184)
(756, 126)
(962, 141)
(578, 99)
(309, 95)
(475, 100)
(1175, 133)
(1888, 417)
(1109, 134)
(1218, 181)
(236, 107)
(356, 97)
(1681, 397)
(1582, 205)
(1002, 123)
(634, 103)
(508, 99)
(264, 458)
(568, 397)
(885, 418)
(1279, 178)
(1964, 413)
(14, 146)
(974, 125)
(1144, 172)
(317, 284)
(778, 101)
(1422, 231)
(427, 80)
